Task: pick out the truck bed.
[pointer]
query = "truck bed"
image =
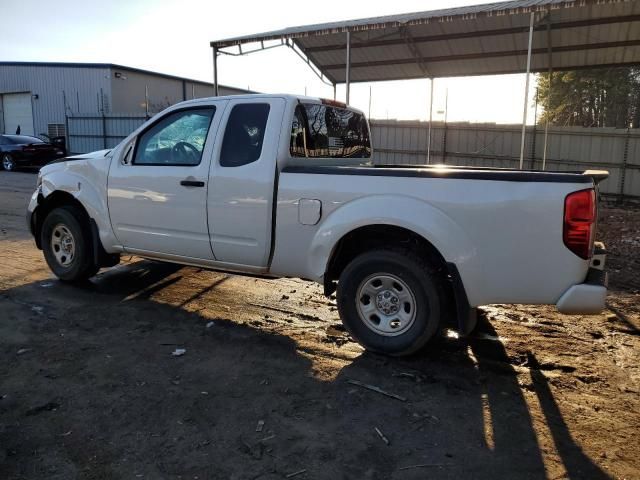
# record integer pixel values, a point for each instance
(504, 233)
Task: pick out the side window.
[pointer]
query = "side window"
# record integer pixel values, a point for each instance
(243, 137)
(327, 131)
(177, 139)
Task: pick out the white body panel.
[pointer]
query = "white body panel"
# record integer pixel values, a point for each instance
(150, 210)
(504, 237)
(241, 198)
(86, 180)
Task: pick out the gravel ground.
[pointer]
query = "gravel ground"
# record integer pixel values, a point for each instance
(270, 384)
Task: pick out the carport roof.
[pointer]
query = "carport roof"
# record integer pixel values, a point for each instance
(474, 40)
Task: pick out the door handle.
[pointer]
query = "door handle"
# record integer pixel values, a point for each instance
(191, 183)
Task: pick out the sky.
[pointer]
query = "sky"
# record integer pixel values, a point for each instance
(171, 36)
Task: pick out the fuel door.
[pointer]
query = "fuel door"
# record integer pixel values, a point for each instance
(309, 211)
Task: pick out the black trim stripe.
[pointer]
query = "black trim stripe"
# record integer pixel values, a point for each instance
(445, 173)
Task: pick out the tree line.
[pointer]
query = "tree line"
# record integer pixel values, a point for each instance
(607, 97)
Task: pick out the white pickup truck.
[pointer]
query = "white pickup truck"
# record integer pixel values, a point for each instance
(283, 186)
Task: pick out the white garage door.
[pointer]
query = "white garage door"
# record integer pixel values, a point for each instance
(17, 112)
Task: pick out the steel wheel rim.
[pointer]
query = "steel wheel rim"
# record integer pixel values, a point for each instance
(386, 304)
(63, 245)
(7, 163)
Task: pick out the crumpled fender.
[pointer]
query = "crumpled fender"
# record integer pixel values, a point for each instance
(86, 181)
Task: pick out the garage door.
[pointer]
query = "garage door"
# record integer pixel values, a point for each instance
(17, 112)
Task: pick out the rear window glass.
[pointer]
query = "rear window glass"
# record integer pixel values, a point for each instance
(22, 139)
(244, 134)
(327, 131)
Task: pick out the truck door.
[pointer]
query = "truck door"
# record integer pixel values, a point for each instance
(157, 190)
(242, 180)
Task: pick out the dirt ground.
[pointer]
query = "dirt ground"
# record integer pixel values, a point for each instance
(268, 386)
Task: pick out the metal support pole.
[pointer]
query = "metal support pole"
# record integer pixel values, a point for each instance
(334, 91)
(532, 163)
(550, 60)
(216, 91)
(430, 122)
(348, 69)
(67, 142)
(104, 121)
(623, 170)
(444, 135)
(526, 93)
(146, 102)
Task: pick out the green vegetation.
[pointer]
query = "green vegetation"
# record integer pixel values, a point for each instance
(592, 98)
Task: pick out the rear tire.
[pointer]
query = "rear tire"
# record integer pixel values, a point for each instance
(66, 243)
(391, 301)
(8, 163)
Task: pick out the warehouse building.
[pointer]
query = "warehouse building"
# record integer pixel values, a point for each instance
(36, 97)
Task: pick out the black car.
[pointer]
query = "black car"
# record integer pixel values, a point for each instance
(24, 151)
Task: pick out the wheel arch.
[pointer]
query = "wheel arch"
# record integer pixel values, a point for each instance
(438, 232)
(85, 183)
(377, 235)
(55, 199)
(355, 228)
(61, 198)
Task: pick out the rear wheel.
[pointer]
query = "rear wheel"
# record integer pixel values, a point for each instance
(8, 163)
(390, 301)
(66, 243)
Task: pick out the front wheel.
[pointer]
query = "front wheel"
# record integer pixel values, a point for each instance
(66, 243)
(8, 163)
(390, 301)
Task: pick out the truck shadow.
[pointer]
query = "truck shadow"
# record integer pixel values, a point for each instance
(469, 415)
(96, 392)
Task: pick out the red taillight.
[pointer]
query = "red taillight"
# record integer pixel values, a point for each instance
(579, 222)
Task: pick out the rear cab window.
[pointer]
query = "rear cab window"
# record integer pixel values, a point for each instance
(328, 131)
(244, 134)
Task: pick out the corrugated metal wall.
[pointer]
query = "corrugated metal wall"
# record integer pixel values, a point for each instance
(82, 87)
(491, 145)
(93, 88)
(131, 88)
(91, 132)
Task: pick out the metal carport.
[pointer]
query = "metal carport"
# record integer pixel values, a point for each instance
(497, 38)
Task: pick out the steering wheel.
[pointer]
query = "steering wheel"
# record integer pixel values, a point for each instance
(182, 151)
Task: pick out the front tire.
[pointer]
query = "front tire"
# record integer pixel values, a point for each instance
(390, 301)
(8, 163)
(66, 243)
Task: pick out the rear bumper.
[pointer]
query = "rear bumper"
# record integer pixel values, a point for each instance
(583, 299)
(588, 298)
